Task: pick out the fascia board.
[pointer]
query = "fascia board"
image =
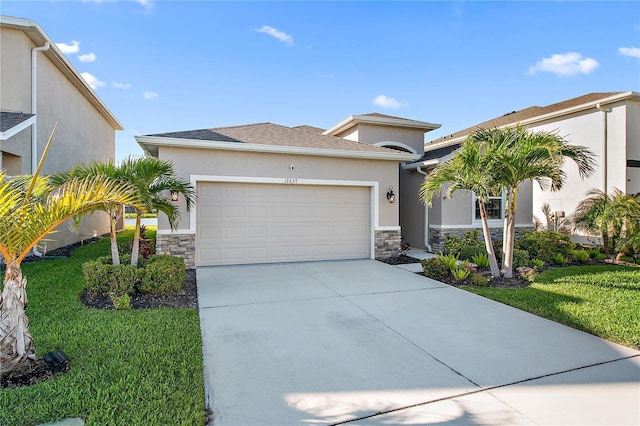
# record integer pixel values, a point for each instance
(17, 129)
(353, 120)
(38, 36)
(149, 142)
(427, 163)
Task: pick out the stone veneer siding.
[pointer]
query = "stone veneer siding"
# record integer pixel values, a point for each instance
(387, 244)
(436, 236)
(181, 245)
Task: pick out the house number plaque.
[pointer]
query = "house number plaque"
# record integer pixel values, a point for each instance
(290, 180)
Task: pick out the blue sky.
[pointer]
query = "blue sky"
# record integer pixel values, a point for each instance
(178, 65)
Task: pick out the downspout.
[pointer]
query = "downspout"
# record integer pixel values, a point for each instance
(604, 147)
(426, 217)
(34, 105)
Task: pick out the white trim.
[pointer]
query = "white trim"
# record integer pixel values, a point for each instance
(444, 227)
(17, 128)
(494, 222)
(373, 185)
(385, 144)
(146, 142)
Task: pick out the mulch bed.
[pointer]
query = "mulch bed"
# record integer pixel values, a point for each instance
(403, 259)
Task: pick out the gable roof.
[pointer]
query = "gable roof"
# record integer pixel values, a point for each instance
(376, 118)
(310, 128)
(40, 38)
(12, 123)
(269, 137)
(537, 113)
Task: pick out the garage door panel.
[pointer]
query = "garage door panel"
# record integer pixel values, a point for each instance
(240, 223)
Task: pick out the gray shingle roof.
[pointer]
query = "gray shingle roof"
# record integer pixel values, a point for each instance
(528, 113)
(274, 134)
(9, 120)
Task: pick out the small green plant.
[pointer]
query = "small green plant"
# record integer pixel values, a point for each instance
(527, 273)
(480, 279)
(468, 252)
(450, 260)
(120, 302)
(454, 244)
(536, 263)
(460, 273)
(481, 259)
(434, 268)
(560, 259)
(580, 255)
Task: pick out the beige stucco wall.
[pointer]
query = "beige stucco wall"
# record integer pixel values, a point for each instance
(412, 211)
(372, 134)
(189, 162)
(83, 133)
(587, 128)
(633, 146)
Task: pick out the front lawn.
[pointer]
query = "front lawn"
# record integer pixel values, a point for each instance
(603, 300)
(127, 367)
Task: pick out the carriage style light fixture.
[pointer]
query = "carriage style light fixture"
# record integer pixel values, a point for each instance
(174, 195)
(391, 197)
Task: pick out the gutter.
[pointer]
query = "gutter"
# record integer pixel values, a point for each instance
(34, 104)
(426, 217)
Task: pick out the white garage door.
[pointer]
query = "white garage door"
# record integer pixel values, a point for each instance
(240, 223)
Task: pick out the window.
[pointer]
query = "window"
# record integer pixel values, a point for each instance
(493, 206)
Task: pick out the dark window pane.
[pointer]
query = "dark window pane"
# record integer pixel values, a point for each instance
(493, 207)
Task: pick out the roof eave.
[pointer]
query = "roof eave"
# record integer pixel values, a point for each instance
(17, 128)
(150, 145)
(39, 37)
(354, 120)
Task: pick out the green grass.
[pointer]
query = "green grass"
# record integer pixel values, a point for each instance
(601, 300)
(138, 367)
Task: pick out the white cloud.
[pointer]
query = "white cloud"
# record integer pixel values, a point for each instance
(633, 52)
(566, 64)
(386, 102)
(118, 85)
(67, 49)
(89, 57)
(92, 80)
(150, 95)
(283, 37)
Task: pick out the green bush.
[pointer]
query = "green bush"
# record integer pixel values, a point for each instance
(536, 263)
(450, 261)
(520, 258)
(460, 273)
(481, 259)
(580, 255)
(454, 244)
(162, 274)
(545, 245)
(560, 259)
(468, 252)
(102, 277)
(434, 268)
(121, 302)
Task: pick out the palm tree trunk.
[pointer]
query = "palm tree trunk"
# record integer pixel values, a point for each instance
(115, 256)
(505, 228)
(493, 263)
(135, 248)
(510, 234)
(16, 343)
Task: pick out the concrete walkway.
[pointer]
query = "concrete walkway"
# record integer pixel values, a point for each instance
(369, 343)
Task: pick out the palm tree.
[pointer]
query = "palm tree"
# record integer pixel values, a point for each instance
(528, 155)
(469, 169)
(30, 208)
(153, 177)
(113, 209)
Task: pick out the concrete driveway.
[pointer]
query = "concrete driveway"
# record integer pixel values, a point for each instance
(368, 343)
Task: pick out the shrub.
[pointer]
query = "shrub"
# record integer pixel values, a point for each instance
(162, 274)
(536, 263)
(560, 259)
(479, 279)
(454, 244)
(595, 253)
(450, 261)
(460, 273)
(544, 245)
(580, 255)
(102, 278)
(481, 259)
(468, 252)
(527, 273)
(120, 302)
(520, 258)
(434, 268)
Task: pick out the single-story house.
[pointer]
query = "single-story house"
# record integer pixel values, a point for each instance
(608, 123)
(40, 87)
(271, 193)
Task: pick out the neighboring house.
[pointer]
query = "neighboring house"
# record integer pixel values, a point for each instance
(38, 88)
(270, 193)
(607, 123)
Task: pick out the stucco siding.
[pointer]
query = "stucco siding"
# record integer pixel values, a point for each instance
(633, 146)
(15, 70)
(411, 209)
(372, 134)
(188, 162)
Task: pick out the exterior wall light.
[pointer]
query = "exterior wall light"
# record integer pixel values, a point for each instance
(391, 197)
(174, 195)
